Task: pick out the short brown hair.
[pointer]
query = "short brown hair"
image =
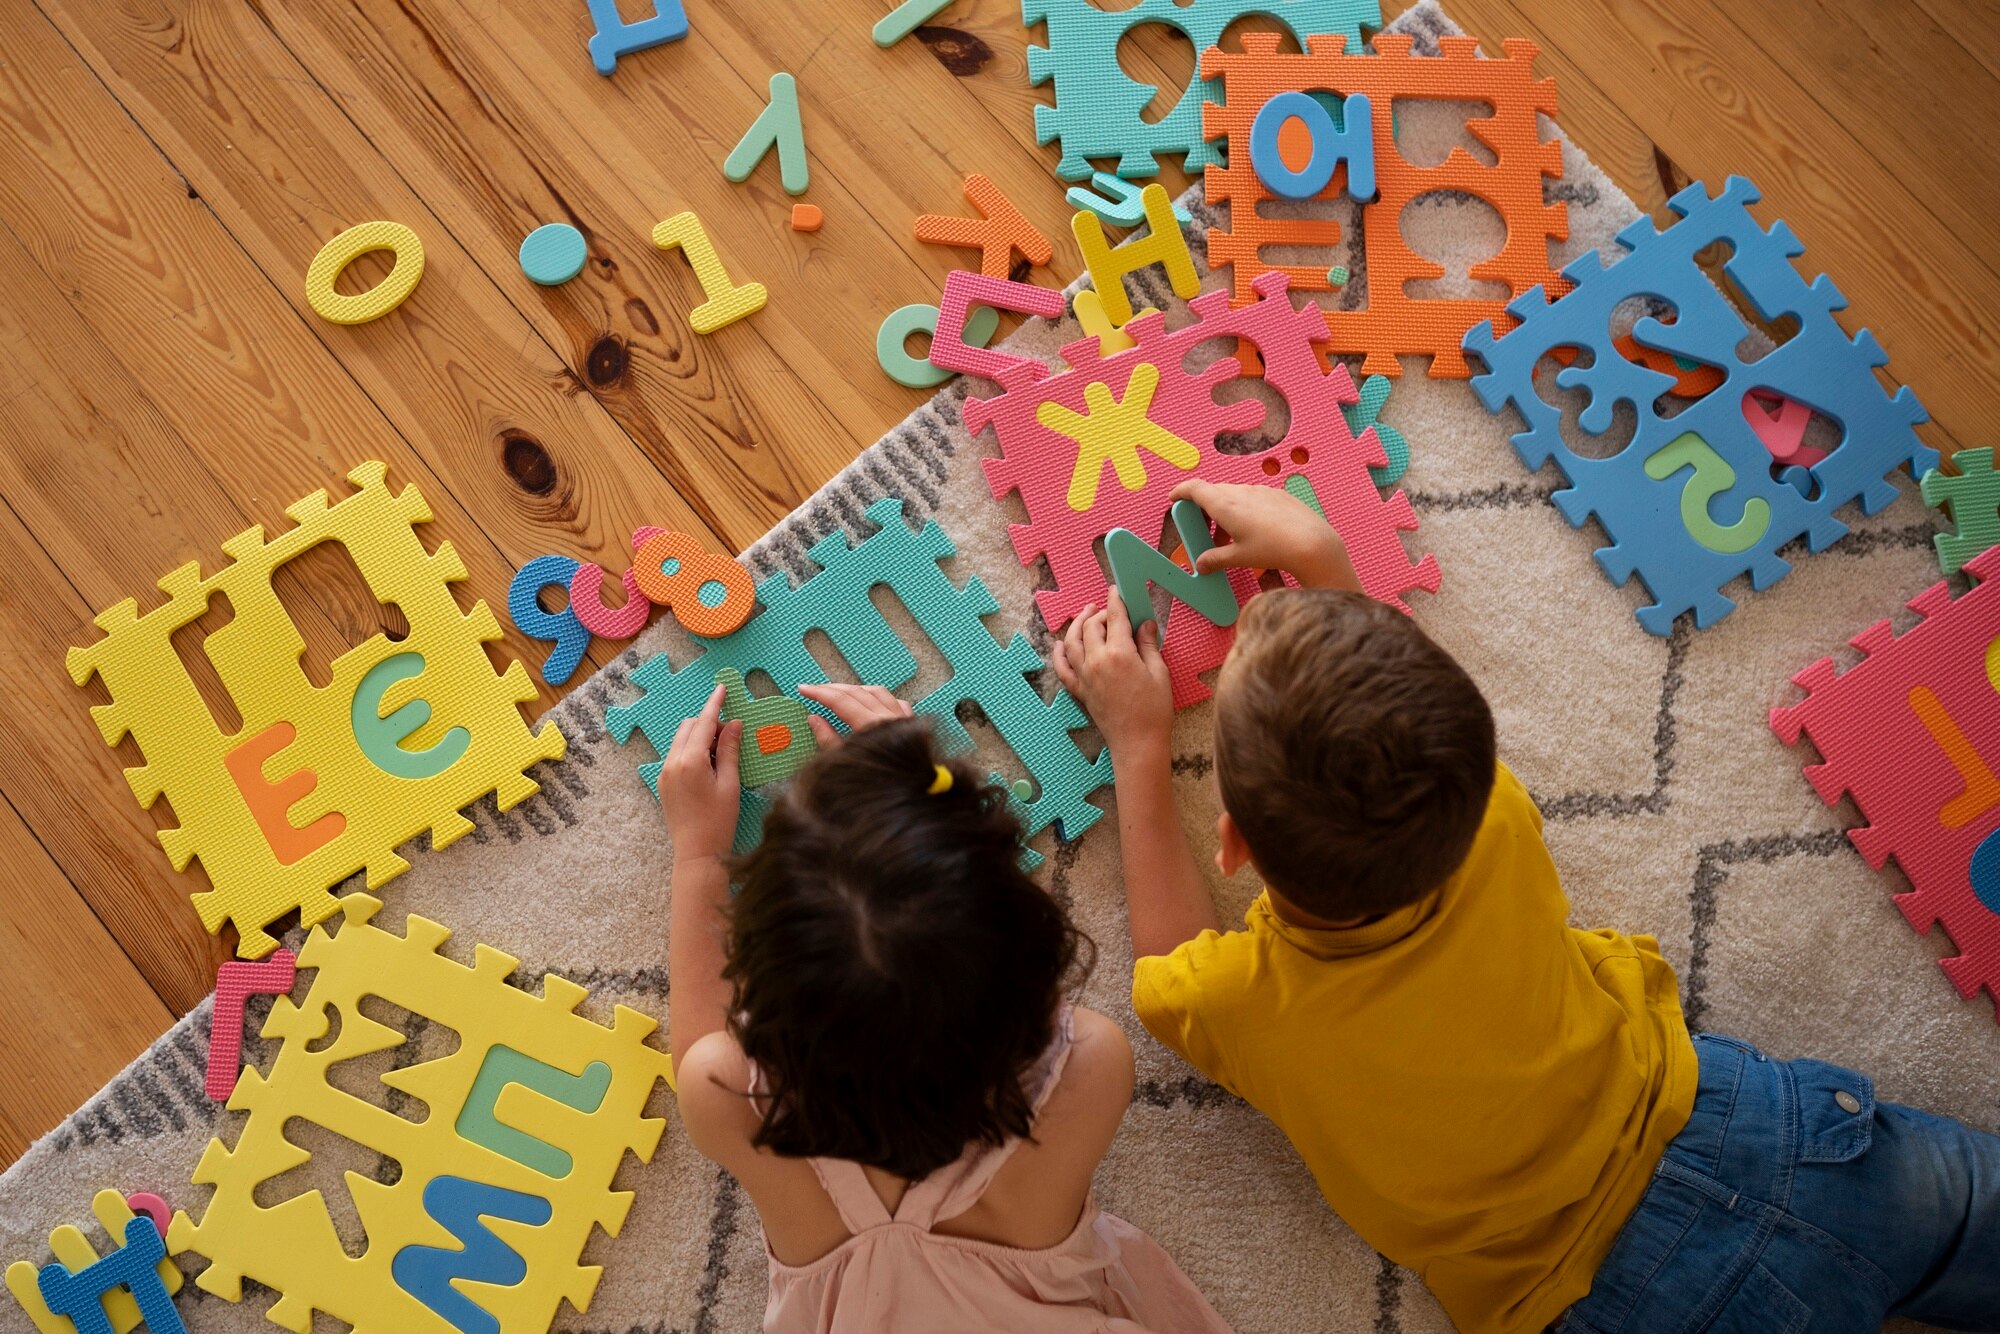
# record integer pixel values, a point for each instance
(1353, 753)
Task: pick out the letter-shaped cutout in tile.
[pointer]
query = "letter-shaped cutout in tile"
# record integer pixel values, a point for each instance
(461, 1208)
(1687, 536)
(1393, 323)
(479, 1122)
(1912, 733)
(74, 1252)
(615, 37)
(187, 754)
(292, 1246)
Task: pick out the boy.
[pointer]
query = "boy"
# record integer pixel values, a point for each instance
(1509, 1106)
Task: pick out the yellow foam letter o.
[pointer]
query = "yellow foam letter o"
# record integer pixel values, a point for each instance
(334, 257)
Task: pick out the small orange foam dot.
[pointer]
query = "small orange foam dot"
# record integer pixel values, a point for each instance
(772, 738)
(806, 217)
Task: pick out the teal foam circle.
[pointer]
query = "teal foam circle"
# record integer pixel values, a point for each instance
(553, 253)
(713, 593)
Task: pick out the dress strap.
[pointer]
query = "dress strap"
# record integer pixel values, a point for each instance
(852, 1193)
(950, 1191)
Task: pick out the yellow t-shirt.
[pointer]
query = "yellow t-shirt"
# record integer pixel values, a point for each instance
(1481, 1091)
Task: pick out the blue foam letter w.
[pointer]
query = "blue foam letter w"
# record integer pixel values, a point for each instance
(461, 1206)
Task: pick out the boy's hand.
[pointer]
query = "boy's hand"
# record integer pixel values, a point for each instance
(700, 796)
(1121, 680)
(1271, 529)
(860, 707)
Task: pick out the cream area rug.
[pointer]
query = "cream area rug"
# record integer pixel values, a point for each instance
(1670, 806)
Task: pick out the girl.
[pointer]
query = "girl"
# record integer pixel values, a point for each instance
(873, 1039)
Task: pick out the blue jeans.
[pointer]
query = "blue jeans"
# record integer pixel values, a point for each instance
(1794, 1202)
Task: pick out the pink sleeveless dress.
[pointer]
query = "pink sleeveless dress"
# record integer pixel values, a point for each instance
(896, 1276)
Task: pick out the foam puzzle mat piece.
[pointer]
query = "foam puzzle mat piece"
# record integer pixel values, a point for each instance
(1972, 498)
(1039, 462)
(1658, 530)
(836, 603)
(431, 1274)
(586, 599)
(807, 218)
(708, 593)
(1351, 142)
(1394, 323)
(553, 253)
(132, 1267)
(1099, 109)
(616, 37)
(997, 233)
(921, 373)
(725, 300)
(777, 739)
(334, 257)
(1781, 424)
(1114, 433)
(779, 127)
(292, 1246)
(962, 291)
(257, 656)
(235, 982)
(74, 1251)
(562, 628)
(1116, 201)
(1164, 244)
(1912, 734)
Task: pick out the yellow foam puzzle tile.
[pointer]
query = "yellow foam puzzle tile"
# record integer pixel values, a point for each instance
(506, 1115)
(319, 782)
(73, 1250)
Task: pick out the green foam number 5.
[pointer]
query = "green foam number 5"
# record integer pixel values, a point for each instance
(381, 738)
(1712, 476)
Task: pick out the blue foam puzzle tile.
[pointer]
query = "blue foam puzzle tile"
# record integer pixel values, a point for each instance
(1688, 518)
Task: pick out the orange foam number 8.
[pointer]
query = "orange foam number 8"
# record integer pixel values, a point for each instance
(711, 595)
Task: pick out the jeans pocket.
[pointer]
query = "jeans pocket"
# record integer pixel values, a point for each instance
(1762, 1305)
(1836, 1111)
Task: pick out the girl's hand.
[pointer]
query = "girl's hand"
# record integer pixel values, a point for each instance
(701, 796)
(1271, 529)
(1120, 678)
(860, 707)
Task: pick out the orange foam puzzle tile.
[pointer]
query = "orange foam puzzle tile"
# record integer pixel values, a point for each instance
(1393, 323)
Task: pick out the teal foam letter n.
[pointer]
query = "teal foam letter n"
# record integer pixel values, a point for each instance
(1136, 564)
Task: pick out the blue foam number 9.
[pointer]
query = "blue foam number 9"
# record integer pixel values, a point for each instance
(571, 639)
(1352, 142)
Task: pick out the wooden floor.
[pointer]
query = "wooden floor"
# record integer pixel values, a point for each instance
(169, 167)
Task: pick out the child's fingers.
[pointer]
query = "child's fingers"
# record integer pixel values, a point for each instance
(1204, 494)
(1059, 659)
(823, 731)
(1224, 557)
(728, 748)
(1117, 623)
(1073, 635)
(706, 723)
(1148, 640)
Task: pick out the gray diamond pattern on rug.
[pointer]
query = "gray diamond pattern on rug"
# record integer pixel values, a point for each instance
(1670, 809)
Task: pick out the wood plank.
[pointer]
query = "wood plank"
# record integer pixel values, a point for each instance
(455, 371)
(1976, 27)
(531, 133)
(1914, 75)
(1722, 107)
(74, 1011)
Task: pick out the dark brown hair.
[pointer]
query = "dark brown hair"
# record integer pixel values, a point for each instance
(895, 972)
(1354, 754)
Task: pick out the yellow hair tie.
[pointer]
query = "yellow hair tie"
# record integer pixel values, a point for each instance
(941, 783)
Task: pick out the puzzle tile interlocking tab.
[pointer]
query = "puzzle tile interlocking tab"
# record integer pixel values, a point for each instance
(1666, 529)
(1973, 499)
(74, 1252)
(1912, 733)
(309, 779)
(1394, 322)
(292, 1245)
(836, 602)
(1098, 110)
(1039, 460)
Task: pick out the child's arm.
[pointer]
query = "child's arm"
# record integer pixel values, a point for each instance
(700, 798)
(1271, 529)
(1122, 681)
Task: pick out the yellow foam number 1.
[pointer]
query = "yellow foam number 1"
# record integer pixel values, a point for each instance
(727, 302)
(1712, 476)
(334, 257)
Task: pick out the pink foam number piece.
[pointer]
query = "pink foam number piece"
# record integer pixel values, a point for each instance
(235, 982)
(1912, 733)
(151, 1205)
(586, 598)
(963, 291)
(1780, 422)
